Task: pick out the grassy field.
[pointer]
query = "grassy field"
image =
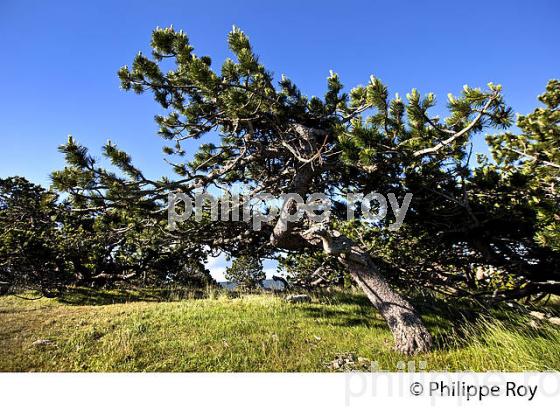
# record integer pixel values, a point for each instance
(127, 331)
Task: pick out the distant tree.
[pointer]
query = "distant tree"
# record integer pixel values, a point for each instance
(246, 271)
(312, 270)
(48, 244)
(29, 250)
(105, 248)
(190, 273)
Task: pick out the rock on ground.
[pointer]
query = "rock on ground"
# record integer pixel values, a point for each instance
(298, 298)
(346, 362)
(554, 320)
(538, 315)
(43, 342)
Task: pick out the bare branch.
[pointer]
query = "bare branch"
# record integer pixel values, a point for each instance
(459, 134)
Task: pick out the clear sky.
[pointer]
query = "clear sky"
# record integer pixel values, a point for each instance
(59, 60)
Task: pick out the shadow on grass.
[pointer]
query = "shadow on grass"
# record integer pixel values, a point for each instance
(455, 324)
(451, 323)
(340, 317)
(89, 296)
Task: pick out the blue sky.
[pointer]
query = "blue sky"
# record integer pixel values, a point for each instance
(59, 60)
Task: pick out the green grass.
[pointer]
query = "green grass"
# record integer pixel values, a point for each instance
(132, 331)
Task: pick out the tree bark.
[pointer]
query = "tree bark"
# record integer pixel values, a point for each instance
(409, 332)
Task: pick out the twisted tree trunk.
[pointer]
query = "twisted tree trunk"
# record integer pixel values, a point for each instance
(409, 332)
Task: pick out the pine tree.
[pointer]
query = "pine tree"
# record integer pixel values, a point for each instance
(275, 139)
(535, 155)
(29, 250)
(246, 271)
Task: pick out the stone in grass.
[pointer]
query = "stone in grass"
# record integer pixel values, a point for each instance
(298, 298)
(542, 316)
(43, 342)
(538, 315)
(345, 362)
